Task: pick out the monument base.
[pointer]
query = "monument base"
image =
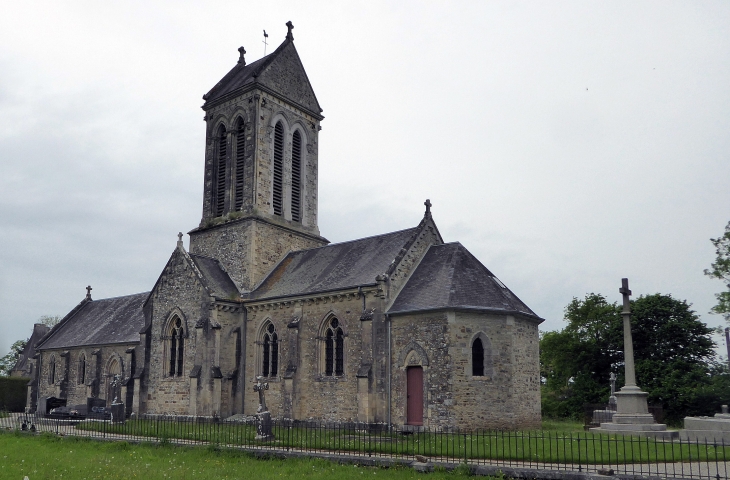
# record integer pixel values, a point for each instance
(707, 429)
(263, 427)
(632, 417)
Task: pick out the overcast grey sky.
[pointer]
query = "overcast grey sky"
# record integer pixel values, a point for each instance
(565, 144)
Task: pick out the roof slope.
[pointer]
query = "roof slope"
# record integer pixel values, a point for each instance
(216, 280)
(333, 267)
(281, 71)
(451, 277)
(39, 331)
(111, 320)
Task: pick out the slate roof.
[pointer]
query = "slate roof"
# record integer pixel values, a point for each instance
(216, 279)
(333, 267)
(39, 331)
(95, 322)
(239, 76)
(451, 277)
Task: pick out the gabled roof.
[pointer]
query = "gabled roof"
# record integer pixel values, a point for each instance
(39, 331)
(215, 279)
(333, 267)
(96, 322)
(451, 277)
(281, 71)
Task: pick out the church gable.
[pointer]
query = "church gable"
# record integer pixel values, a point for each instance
(285, 75)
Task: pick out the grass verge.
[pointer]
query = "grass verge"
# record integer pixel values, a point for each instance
(47, 456)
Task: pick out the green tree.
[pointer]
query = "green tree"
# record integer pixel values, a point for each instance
(49, 320)
(8, 361)
(673, 352)
(721, 270)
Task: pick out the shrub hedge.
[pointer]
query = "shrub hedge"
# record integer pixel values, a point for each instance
(13, 392)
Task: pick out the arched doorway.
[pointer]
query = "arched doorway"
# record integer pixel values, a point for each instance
(414, 395)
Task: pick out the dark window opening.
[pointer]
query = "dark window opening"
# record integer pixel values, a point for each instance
(82, 370)
(278, 168)
(177, 343)
(220, 184)
(270, 352)
(52, 371)
(296, 173)
(334, 349)
(477, 358)
(240, 155)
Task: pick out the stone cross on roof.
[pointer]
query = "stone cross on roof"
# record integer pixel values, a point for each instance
(88, 292)
(241, 52)
(428, 206)
(289, 26)
(179, 239)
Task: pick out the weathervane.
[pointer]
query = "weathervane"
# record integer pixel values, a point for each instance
(266, 35)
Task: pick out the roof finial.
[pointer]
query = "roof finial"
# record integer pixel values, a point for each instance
(290, 26)
(242, 52)
(428, 207)
(179, 240)
(88, 292)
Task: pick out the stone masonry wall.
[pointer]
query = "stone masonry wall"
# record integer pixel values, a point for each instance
(526, 379)
(314, 395)
(178, 291)
(67, 383)
(427, 332)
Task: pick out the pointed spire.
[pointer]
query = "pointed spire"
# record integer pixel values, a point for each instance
(290, 26)
(241, 52)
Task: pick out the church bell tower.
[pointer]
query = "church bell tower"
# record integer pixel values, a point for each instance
(260, 185)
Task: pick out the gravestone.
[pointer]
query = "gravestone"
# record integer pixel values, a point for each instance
(117, 407)
(708, 429)
(263, 426)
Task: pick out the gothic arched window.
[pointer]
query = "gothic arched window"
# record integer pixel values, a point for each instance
(481, 356)
(334, 346)
(81, 377)
(176, 344)
(52, 370)
(278, 190)
(296, 176)
(477, 358)
(269, 351)
(240, 155)
(219, 197)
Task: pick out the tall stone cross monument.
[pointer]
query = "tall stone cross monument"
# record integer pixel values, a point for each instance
(632, 412)
(631, 400)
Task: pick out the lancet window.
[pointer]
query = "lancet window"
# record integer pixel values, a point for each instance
(81, 376)
(52, 370)
(240, 162)
(334, 346)
(176, 345)
(269, 351)
(296, 176)
(278, 197)
(219, 196)
(481, 356)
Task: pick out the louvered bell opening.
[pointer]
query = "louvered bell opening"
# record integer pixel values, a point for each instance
(296, 170)
(240, 152)
(220, 187)
(278, 168)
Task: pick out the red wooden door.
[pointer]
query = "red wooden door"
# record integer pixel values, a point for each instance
(414, 393)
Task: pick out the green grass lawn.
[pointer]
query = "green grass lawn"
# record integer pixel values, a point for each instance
(50, 457)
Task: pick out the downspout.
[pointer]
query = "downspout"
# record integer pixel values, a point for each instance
(390, 372)
(242, 361)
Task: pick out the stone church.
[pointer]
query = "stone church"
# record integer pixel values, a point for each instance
(399, 328)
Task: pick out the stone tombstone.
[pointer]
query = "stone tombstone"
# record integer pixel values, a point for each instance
(263, 426)
(117, 407)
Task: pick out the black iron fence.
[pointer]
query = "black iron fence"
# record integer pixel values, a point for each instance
(534, 450)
